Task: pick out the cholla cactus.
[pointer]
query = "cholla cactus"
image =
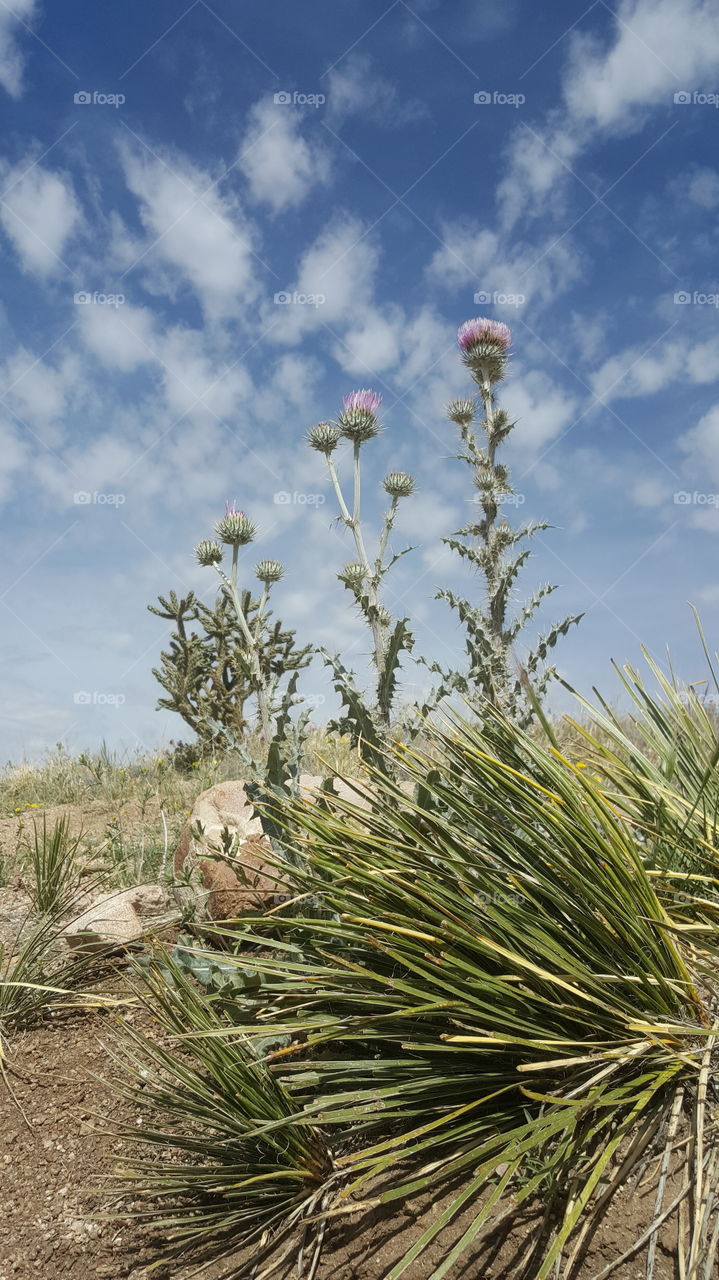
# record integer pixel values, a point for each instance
(491, 634)
(358, 422)
(206, 673)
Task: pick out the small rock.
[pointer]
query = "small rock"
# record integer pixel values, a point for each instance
(115, 920)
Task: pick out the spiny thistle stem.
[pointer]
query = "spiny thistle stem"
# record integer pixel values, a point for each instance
(260, 690)
(372, 579)
(384, 536)
(338, 492)
(353, 522)
(358, 423)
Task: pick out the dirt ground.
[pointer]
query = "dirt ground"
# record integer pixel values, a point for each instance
(91, 821)
(55, 1173)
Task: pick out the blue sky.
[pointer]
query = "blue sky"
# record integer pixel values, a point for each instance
(182, 165)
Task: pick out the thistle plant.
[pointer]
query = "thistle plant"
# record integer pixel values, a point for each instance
(358, 423)
(492, 547)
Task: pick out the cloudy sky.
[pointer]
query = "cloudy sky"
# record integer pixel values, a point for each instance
(170, 174)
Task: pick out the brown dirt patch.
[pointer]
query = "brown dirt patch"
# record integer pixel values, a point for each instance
(91, 820)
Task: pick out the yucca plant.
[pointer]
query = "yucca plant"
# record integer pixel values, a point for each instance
(240, 1163)
(487, 998)
(52, 864)
(661, 765)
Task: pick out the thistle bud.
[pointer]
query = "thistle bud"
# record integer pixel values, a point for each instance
(269, 571)
(352, 575)
(324, 437)
(235, 528)
(461, 412)
(484, 345)
(384, 616)
(208, 552)
(358, 419)
(398, 484)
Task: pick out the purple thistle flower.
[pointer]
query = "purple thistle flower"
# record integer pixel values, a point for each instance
(489, 332)
(367, 401)
(358, 419)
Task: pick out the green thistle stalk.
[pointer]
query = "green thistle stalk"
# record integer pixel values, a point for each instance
(358, 424)
(488, 543)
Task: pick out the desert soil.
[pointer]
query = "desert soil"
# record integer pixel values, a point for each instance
(57, 1175)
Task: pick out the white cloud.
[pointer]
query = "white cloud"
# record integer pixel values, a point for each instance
(291, 390)
(478, 259)
(355, 89)
(702, 188)
(195, 382)
(39, 214)
(538, 164)
(281, 166)
(13, 457)
(701, 444)
(657, 48)
(12, 62)
(539, 407)
(649, 492)
(703, 361)
(340, 266)
(629, 373)
(201, 235)
(122, 337)
(372, 344)
(38, 391)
